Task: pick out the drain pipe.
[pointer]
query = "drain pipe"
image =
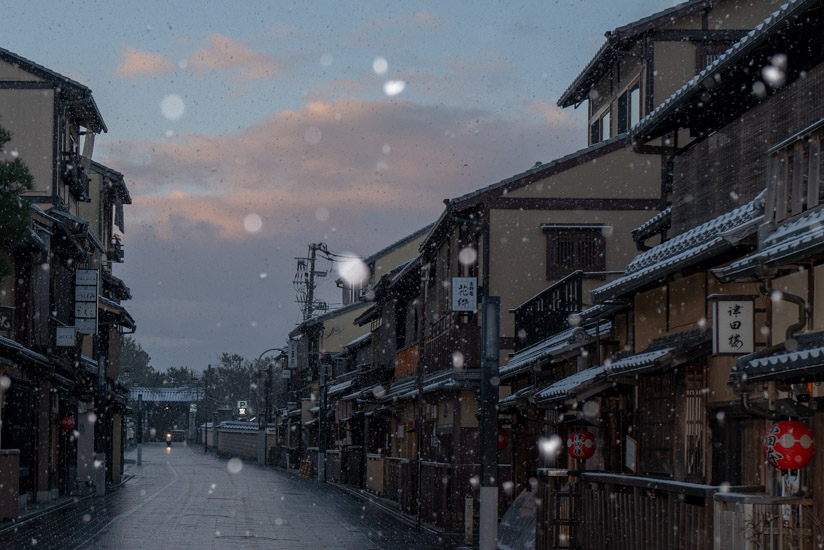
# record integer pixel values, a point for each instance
(791, 331)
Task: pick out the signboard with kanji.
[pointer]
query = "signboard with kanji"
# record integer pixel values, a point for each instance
(464, 294)
(85, 300)
(733, 325)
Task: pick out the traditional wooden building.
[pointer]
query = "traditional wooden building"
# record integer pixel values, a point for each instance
(60, 359)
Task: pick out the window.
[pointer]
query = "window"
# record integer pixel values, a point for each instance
(795, 167)
(574, 247)
(629, 107)
(600, 129)
(695, 419)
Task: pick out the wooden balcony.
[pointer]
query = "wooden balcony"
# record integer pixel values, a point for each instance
(546, 313)
(450, 340)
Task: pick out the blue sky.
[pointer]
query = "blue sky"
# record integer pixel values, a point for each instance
(341, 122)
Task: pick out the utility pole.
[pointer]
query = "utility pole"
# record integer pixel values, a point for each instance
(305, 281)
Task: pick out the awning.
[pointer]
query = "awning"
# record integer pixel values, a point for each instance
(800, 239)
(521, 397)
(340, 388)
(554, 347)
(804, 363)
(574, 385)
(124, 318)
(690, 248)
(663, 353)
(311, 422)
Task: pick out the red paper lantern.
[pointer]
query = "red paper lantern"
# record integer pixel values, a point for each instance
(67, 423)
(581, 445)
(503, 440)
(789, 445)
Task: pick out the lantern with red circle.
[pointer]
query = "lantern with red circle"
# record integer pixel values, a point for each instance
(581, 444)
(67, 422)
(789, 445)
(503, 440)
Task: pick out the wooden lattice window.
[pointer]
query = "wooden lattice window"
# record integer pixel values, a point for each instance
(574, 247)
(695, 419)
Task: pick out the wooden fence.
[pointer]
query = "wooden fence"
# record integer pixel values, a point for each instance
(750, 522)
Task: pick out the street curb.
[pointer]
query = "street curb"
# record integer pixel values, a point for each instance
(48, 510)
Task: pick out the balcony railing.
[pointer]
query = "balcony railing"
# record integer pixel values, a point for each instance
(115, 252)
(451, 343)
(547, 313)
(73, 175)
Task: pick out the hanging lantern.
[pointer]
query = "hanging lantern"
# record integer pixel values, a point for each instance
(67, 422)
(789, 445)
(581, 445)
(503, 440)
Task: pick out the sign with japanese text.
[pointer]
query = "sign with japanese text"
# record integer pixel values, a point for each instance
(733, 325)
(65, 337)
(464, 294)
(85, 300)
(293, 354)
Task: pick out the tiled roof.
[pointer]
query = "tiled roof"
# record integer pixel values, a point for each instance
(740, 49)
(338, 388)
(805, 360)
(569, 386)
(570, 339)
(798, 239)
(654, 225)
(167, 395)
(688, 248)
(619, 41)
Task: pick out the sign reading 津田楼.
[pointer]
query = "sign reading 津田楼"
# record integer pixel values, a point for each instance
(464, 294)
(733, 325)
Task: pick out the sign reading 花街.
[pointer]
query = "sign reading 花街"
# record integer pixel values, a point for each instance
(733, 329)
(465, 294)
(85, 300)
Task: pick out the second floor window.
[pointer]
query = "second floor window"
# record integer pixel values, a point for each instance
(629, 107)
(600, 128)
(574, 247)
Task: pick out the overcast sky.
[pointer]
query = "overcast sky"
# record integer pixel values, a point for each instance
(247, 130)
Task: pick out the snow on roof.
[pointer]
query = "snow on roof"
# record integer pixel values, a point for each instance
(637, 362)
(167, 395)
(338, 388)
(688, 248)
(799, 238)
(567, 387)
(806, 359)
(739, 49)
(566, 340)
(359, 340)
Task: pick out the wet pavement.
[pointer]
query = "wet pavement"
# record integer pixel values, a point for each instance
(181, 498)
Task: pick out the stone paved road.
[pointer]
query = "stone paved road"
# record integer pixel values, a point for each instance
(181, 498)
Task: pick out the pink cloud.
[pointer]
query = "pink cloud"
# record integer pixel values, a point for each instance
(139, 63)
(366, 163)
(553, 114)
(226, 54)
